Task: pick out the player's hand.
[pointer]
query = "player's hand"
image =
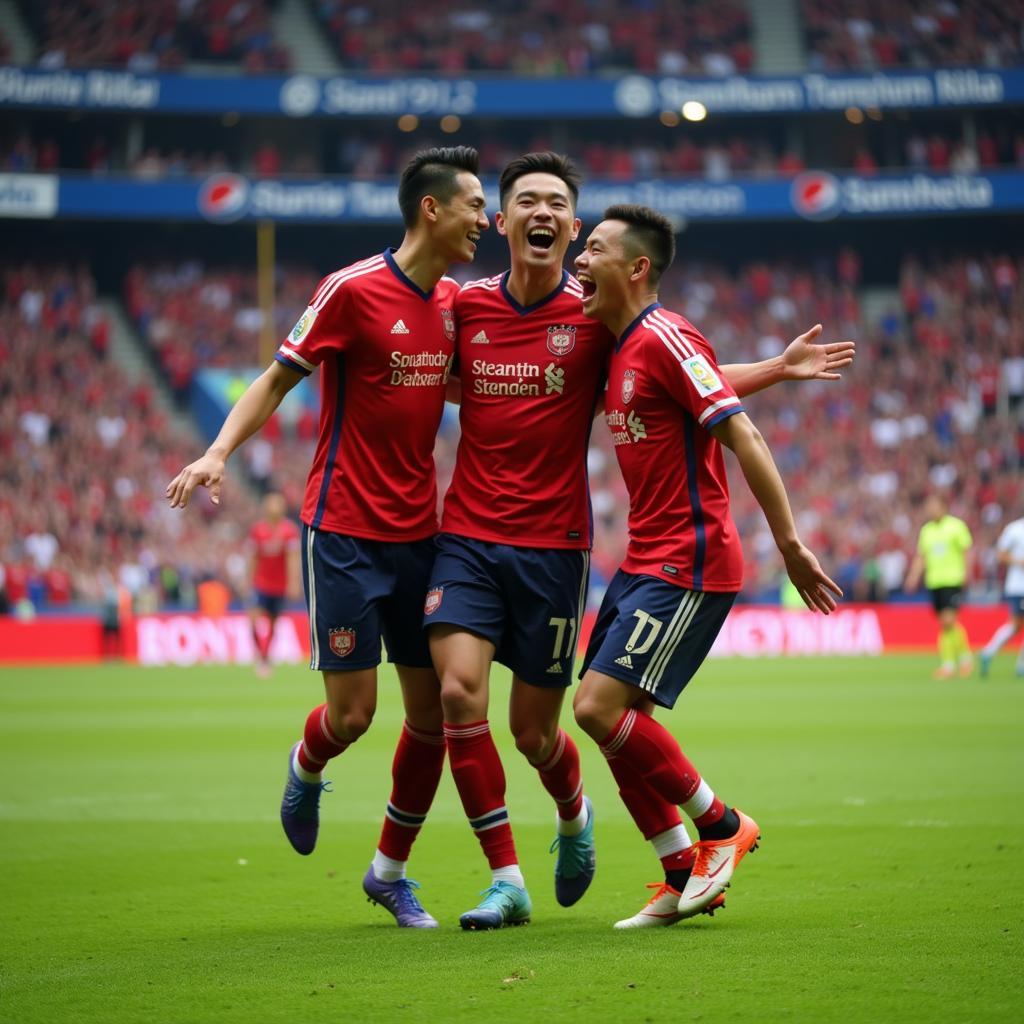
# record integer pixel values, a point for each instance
(804, 360)
(819, 592)
(207, 472)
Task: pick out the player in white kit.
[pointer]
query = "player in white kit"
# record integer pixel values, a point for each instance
(1010, 549)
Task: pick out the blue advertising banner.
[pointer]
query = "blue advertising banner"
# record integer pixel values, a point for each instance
(626, 96)
(228, 198)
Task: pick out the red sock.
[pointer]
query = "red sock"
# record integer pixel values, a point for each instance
(480, 780)
(653, 753)
(319, 744)
(714, 813)
(651, 812)
(560, 774)
(681, 860)
(262, 633)
(415, 773)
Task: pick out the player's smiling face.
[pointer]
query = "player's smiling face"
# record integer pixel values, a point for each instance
(604, 269)
(539, 220)
(462, 220)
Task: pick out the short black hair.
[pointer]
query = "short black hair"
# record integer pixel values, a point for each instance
(649, 234)
(433, 172)
(540, 163)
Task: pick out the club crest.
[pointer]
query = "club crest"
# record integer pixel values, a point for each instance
(628, 386)
(561, 339)
(448, 323)
(342, 641)
(433, 601)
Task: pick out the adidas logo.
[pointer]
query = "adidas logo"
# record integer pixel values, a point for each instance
(399, 327)
(480, 338)
(625, 661)
(556, 669)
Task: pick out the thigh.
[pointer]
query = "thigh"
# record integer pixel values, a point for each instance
(534, 709)
(656, 635)
(463, 663)
(402, 610)
(350, 693)
(545, 591)
(465, 589)
(344, 586)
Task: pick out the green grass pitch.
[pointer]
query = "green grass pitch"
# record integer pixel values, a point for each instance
(144, 876)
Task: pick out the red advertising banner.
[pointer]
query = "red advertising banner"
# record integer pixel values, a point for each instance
(751, 631)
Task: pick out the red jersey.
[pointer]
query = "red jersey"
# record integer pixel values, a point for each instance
(270, 544)
(531, 376)
(664, 394)
(385, 347)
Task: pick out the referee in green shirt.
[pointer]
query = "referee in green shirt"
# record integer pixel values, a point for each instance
(941, 557)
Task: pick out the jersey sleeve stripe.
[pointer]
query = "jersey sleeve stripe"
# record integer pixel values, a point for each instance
(341, 277)
(719, 411)
(673, 331)
(291, 354)
(331, 278)
(670, 343)
(291, 364)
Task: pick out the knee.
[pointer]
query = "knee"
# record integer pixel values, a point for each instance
(591, 716)
(534, 743)
(350, 722)
(458, 698)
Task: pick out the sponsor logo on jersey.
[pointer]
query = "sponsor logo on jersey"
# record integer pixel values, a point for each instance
(625, 661)
(433, 601)
(342, 641)
(480, 338)
(698, 370)
(561, 339)
(421, 369)
(636, 426)
(301, 328)
(448, 323)
(223, 197)
(816, 195)
(628, 386)
(554, 379)
(399, 327)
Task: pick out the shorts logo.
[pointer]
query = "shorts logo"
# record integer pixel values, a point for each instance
(301, 329)
(625, 661)
(342, 641)
(561, 339)
(628, 386)
(433, 601)
(448, 323)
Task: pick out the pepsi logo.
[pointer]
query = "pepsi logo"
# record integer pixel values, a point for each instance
(816, 195)
(223, 197)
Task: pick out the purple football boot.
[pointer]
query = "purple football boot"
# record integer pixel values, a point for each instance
(400, 899)
(300, 809)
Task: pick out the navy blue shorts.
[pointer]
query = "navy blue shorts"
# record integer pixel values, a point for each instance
(654, 635)
(361, 591)
(1016, 604)
(270, 603)
(526, 601)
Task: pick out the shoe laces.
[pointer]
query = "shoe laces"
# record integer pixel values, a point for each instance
(660, 889)
(303, 797)
(405, 896)
(571, 852)
(497, 895)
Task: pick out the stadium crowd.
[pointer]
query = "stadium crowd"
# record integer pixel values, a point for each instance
(157, 35)
(934, 401)
(877, 34)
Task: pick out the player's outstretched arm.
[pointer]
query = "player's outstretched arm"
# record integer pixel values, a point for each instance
(738, 433)
(802, 359)
(248, 414)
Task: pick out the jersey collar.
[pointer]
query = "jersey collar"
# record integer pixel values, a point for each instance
(621, 340)
(523, 310)
(389, 259)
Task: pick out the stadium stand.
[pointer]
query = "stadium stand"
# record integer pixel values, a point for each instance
(867, 34)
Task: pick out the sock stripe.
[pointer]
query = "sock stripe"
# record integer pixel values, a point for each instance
(492, 819)
(435, 739)
(400, 817)
(465, 732)
(325, 728)
(622, 731)
(571, 799)
(556, 754)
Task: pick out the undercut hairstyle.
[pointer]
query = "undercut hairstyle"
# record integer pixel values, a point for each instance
(540, 163)
(433, 172)
(648, 233)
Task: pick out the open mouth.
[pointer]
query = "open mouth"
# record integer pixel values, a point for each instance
(589, 287)
(541, 238)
